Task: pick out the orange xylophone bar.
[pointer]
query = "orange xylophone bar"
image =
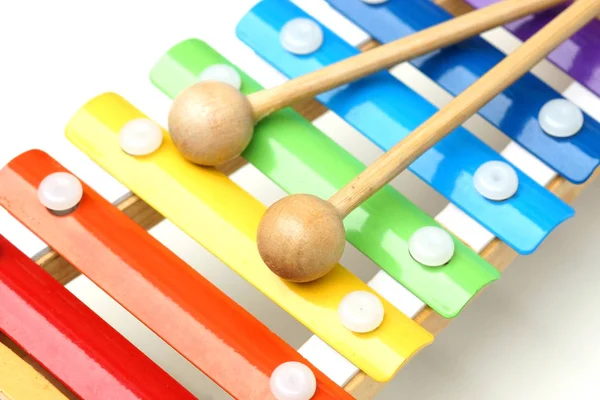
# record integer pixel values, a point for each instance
(68, 339)
(193, 316)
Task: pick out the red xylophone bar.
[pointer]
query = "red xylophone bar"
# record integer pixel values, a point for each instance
(68, 339)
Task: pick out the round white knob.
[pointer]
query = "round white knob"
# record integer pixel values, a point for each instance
(293, 381)
(374, 1)
(431, 246)
(222, 73)
(361, 311)
(140, 137)
(301, 36)
(496, 180)
(60, 191)
(560, 118)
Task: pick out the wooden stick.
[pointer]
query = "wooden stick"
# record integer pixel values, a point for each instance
(211, 122)
(268, 101)
(464, 106)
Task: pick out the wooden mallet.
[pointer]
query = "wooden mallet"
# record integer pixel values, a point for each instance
(302, 237)
(211, 122)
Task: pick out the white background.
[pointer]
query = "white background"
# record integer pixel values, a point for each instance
(532, 335)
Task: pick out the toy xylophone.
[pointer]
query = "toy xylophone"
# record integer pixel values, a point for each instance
(53, 347)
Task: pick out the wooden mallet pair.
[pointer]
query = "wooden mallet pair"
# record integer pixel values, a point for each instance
(302, 237)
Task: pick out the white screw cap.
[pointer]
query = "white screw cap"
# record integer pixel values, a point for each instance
(140, 137)
(222, 73)
(361, 311)
(560, 118)
(431, 246)
(293, 381)
(301, 36)
(496, 180)
(60, 191)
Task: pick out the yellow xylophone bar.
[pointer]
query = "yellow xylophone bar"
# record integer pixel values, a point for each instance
(223, 218)
(20, 381)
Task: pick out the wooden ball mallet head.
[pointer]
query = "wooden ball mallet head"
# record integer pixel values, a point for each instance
(211, 123)
(301, 237)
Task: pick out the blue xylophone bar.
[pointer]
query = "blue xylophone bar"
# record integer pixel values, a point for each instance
(455, 68)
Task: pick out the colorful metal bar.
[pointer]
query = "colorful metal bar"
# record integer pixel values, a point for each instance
(301, 159)
(224, 218)
(20, 381)
(208, 328)
(514, 111)
(371, 106)
(67, 338)
(578, 56)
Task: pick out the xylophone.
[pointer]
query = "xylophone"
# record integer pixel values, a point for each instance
(55, 347)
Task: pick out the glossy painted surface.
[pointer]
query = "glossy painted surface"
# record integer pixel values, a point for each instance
(456, 67)
(224, 218)
(371, 106)
(208, 328)
(301, 159)
(60, 332)
(579, 56)
(20, 381)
